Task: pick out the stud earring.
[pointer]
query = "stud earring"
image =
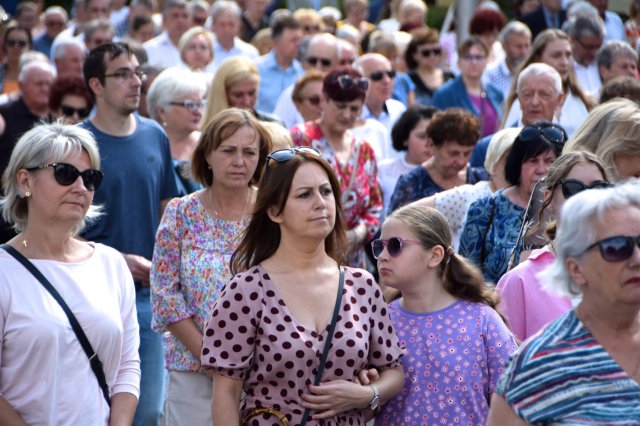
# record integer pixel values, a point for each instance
(27, 194)
(164, 124)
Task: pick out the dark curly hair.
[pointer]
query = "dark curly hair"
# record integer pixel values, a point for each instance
(68, 84)
(454, 124)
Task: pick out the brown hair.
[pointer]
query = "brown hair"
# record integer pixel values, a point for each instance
(420, 37)
(621, 87)
(261, 238)
(311, 75)
(224, 125)
(454, 124)
(470, 42)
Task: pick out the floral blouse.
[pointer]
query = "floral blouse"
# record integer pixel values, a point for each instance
(362, 204)
(190, 266)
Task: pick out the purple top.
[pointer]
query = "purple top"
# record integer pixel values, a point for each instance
(488, 116)
(527, 306)
(454, 359)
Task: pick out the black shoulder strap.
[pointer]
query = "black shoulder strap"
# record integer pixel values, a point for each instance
(96, 365)
(483, 248)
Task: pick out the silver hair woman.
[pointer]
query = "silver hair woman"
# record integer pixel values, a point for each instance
(584, 367)
(46, 375)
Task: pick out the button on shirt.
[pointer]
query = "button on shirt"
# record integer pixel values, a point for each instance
(162, 52)
(274, 80)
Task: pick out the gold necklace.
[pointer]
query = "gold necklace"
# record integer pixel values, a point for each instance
(215, 212)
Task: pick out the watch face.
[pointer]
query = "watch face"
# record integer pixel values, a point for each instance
(374, 402)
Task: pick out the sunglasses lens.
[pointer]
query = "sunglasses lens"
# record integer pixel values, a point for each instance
(529, 133)
(376, 248)
(282, 155)
(92, 179)
(377, 76)
(394, 246)
(65, 174)
(391, 74)
(553, 134)
(571, 188)
(616, 249)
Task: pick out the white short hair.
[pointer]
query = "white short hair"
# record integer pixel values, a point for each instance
(170, 84)
(537, 69)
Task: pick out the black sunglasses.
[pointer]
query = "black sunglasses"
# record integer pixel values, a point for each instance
(312, 60)
(66, 174)
(345, 81)
(552, 133)
(284, 155)
(571, 187)
(616, 249)
(19, 43)
(379, 75)
(69, 111)
(394, 246)
(436, 51)
(314, 100)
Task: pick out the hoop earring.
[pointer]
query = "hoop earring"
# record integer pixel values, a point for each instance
(27, 194)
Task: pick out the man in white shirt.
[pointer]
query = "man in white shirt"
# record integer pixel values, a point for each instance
(516, 41)
(163, 50)
(225, 24)
(612, 22)
(587, 33)
(68, 56)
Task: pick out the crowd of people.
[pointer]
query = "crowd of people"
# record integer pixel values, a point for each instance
(265, 212)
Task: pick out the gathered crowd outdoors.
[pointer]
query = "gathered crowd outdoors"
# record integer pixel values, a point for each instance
(319, 212)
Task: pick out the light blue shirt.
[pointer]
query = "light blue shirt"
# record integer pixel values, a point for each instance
(274, 80)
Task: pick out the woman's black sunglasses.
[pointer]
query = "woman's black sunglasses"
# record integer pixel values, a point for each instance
(394, 246)
(616, 249)
(69, 111)
(66, 174)
(551, 133)
(345, 81)
(571, 187)
(284, 155)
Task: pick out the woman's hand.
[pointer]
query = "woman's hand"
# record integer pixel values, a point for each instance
(336, 396)
(367, 377)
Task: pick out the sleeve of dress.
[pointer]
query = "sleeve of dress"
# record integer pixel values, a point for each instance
(167, 301)
(128, 377)
(474, 229)
(402, 193)
(510, 289)
(373, 210)
(499, 345)
(230, 334)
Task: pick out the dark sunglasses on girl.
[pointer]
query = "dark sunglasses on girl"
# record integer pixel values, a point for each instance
(571, 187)
(66, 174)
(394, 246)
(616, 249)
(69, 111)
(551, 133)
(19, 43)
(284, 155)
(312, 60)
(345, 81)
(379, 75)
(436, 51)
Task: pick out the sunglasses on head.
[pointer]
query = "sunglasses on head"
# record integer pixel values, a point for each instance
(312, 60)
(436, 51)
(284, 155)
(616, 249)
(66, 174)
(19, 43)
(345, 81)
(69, 111)
(552, 133)
(379, 75)
(394, 246)
(571, 187)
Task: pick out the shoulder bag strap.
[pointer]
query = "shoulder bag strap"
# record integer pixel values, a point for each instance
(483, 248)
(96, 365)
(327, 344)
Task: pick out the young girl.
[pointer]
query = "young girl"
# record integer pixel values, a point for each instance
(456, 342)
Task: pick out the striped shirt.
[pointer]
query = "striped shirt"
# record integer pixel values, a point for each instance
(562, 375)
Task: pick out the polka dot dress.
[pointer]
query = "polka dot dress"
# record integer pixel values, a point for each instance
(252, 336)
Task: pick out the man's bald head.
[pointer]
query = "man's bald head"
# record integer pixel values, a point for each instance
(322, 52)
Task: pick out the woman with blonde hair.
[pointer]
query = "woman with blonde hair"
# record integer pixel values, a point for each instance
(612, 132)
(553, 47)
(235, 85)
(196, 49)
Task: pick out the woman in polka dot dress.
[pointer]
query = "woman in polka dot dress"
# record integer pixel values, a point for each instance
(267, 330)
(457, 344)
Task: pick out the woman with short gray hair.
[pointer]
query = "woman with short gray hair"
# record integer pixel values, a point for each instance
(53, 371)
(584, 367)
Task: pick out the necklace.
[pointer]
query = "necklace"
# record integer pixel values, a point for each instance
(215, 212)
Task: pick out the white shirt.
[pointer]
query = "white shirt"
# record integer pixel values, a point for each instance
(388, 117)
(588, 78)
(614, 27)
(499, 75)
(286, 109)
(162, 52)
(375, 134)
(45, 375)
(240, 48)
(389, 171)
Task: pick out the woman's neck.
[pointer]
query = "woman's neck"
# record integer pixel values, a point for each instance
(473, 85)
(337, 139)
(229, 203)
(518, 195)
(607, 320)
(182, 143)
(442, 177)
(299, 254)
(45, 242)
(427, 295)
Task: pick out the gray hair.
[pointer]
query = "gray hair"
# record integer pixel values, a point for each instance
(168, 4)
(575, 235)
(44, 144)
(537, 69)
(222, 6)
(499, 145)
(97, 25)
(512, 28)
(60, 47)
(198, 5)
(170, 84)
(585, 24)
(56, 10)
(33, 64)
(609, 51)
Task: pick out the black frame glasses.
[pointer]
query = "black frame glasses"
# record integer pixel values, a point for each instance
(66, 174)
(394, 246)
(551, 133)
(127, 74)
(284, 155)
(379, 75)
(345, 81)
(313, 61)
(190, 105)
(617, 248)
(20, 43)
(427, 52)
(69, 111)
(571, 187)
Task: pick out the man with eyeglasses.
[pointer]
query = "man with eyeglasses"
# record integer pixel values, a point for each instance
(139, 181)
(55, 21)
(378, 104)
(586, 33)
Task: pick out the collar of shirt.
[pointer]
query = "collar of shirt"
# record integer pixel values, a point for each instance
(271, 63)
(368, 114)
(551, 18)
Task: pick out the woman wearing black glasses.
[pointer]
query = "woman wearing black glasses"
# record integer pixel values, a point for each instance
(69, 99)
(46, 375)
(16, 41)
(525, 303)
(294, 327)
(344, 91)
(584, 367)
(424, 61)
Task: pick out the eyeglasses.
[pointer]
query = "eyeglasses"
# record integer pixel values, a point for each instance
(585, 46)
(70, 111)
(379, 75)
(571, 187)
(345, 81)
(19, 43)
(312, 60)
(66, 174)
(436, 51)
(616, 249)
(474, 58)
(314, 100)
(127, 74)
(552, 133)
(284, 155)
(394, 246)
(310, 28)
(191, 106)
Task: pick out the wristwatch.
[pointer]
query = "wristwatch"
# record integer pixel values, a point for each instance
(375, 401)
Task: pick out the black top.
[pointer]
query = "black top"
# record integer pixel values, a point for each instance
(537, 23)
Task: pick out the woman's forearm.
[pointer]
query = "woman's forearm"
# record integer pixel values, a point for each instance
(188, 334)
(123, 408)
(8, 415)
(225, 404)
(390, 383)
